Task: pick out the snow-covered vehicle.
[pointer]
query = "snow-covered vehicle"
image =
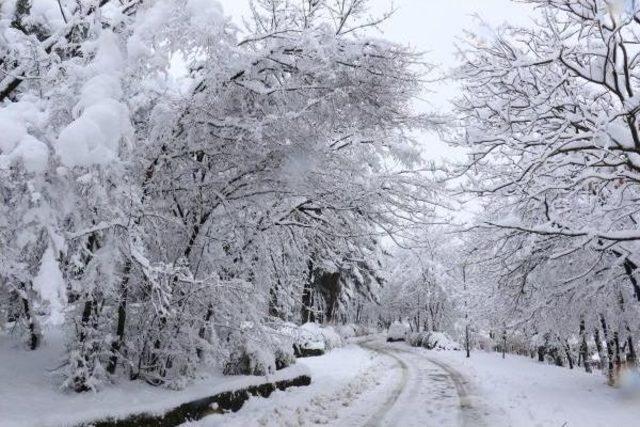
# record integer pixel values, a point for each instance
(312, 339)
(397, 332)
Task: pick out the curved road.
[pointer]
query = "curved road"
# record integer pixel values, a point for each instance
(428, 392)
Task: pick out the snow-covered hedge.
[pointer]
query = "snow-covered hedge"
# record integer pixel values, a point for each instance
(397, 332)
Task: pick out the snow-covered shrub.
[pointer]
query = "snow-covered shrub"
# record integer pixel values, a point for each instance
(250, 357)
(416, 339)
(283, 349)
(439, 341)
(397, 332)
(284, 356)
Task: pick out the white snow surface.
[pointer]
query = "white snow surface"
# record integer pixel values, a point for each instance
(518, 391)
(351, 384)
(346, 384)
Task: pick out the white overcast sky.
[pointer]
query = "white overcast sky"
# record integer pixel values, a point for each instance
(433, 27)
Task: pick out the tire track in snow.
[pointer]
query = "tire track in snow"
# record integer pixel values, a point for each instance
(395, 394)
(467, 415)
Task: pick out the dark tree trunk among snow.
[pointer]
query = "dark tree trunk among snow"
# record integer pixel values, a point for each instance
(542, 350)
(631, 352)
(618, 355)
(584, 348)
(118, 342)
(567, 350)
(602, 357)
(32, 326)
(609, 343)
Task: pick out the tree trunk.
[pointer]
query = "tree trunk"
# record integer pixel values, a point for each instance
(466, 340)
(32, 326)
(609, 345)
(617, 366)
(541, 353)
(631, 353)
(567, 350)
(584, 348)
(601, 354)
(504, 343)
(203, 329)
(118, 343)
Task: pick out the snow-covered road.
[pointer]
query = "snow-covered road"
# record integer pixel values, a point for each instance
(372, 384)
(429, 392)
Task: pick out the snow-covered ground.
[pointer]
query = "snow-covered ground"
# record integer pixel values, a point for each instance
(347, 385)
(391, 384)
(368, 382)
(518, 391)
(30, 394)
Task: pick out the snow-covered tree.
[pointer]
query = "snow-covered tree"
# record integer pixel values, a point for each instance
(174, 185)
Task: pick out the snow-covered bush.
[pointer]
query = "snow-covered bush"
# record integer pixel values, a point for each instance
(440, 341)
(282, 349)
(397, 332)
(415, 339)
(250, 359)
(432, 341)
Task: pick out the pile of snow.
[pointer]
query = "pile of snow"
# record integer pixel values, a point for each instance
(433, 341)
(397, 332)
